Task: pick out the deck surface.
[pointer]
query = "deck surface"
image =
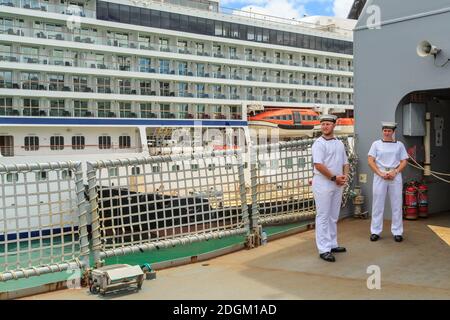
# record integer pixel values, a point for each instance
(289, 268)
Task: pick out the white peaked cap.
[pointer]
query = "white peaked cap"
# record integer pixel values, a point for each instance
(388, 125)
(328, 117)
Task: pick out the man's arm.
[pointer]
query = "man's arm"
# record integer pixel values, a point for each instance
(373, 166)
(341, 180)
(323, 170)
(402, 165)
(400, 168)
(346, 169)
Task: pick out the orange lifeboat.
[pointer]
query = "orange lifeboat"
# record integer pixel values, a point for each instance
(286, 122)
(345, 125)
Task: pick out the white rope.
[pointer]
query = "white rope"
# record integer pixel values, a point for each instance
(433, 173)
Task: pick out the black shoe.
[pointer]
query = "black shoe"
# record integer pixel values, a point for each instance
(374, 237)
(398, 238)
(327, 256)
(339, 249)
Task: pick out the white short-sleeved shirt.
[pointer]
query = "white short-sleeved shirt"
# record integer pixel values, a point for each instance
(331, 153)
(388, 154)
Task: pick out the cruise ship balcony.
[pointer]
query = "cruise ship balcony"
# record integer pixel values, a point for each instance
(74, 8)
(127, 68)
(83, 109)
(98, 38)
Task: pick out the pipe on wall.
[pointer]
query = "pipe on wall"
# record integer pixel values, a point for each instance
(427, 145)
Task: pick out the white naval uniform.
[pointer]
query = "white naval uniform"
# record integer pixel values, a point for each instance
(387, 157)
(328, 196)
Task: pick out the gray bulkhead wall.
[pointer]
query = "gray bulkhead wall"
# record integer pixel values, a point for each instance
(387, 68)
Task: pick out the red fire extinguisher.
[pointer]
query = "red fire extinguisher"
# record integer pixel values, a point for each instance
(422, 200)
(411, 207)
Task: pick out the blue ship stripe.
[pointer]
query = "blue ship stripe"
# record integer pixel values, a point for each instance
(37, 233)
(115, 122)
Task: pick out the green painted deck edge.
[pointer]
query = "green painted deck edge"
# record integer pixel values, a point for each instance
(273, 230)
(15, 285)
(161, 255)
(178, 252)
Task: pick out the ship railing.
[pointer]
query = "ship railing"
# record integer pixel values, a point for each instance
(237, 14)
(45, 6)
(188, 3)
(148, 203)
(130, 88)
(134, 112)
(43, 220)
(300, 26)
(94, 63)
(163, 201)
(281, 180)
(67, 62)
(40, 149)
(281, 175)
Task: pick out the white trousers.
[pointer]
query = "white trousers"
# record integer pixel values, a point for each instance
(382, 187)
(328, 198)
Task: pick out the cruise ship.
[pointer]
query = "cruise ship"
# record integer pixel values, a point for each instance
(87, 79)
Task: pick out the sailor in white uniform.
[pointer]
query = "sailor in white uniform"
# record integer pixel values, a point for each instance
(387, 159)
(330, 175)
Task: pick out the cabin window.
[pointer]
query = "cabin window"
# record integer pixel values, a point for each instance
(57, 143)
(125, 110)
(104, 142)
(41, 176)
(31, 108)
(81, 108)
(31, 143)
(113, 172)
(124, 142)
(66, 174)
(12, 177)
(6, 106)
(7, 146)
(78, 142)
(289, 163)
(5, 79)
(274, 164)
(301, 162)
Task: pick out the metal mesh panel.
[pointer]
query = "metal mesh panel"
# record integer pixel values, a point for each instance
(157, 199)
(281, 175)
(349, 143)
(39, 217)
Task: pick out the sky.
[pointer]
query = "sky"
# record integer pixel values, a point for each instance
(292, 8)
